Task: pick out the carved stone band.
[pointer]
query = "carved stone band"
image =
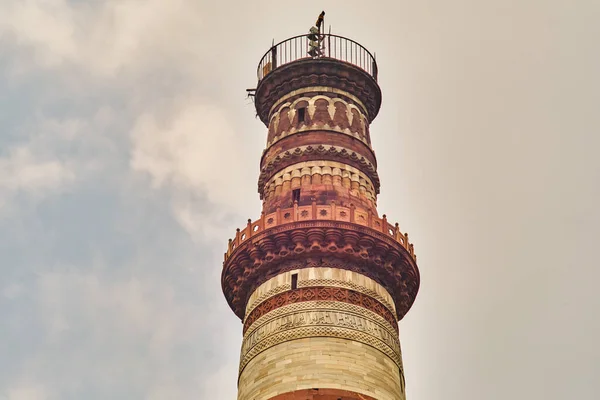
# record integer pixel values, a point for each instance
(321, 305)
(320, 293)
(316, 89)
(310, 277)
(332, 323)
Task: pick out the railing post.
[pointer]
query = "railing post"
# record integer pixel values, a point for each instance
(375, 70)
(249, 229)
(384, 224)
(273, 57)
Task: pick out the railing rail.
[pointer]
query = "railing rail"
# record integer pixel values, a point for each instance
(335, 47)
(330, 212)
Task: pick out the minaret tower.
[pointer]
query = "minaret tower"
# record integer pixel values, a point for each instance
(320, 280)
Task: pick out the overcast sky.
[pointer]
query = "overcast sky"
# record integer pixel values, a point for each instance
(129, 154)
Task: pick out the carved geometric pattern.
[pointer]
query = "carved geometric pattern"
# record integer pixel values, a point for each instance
(321, 128)
(320, 293)
(331, 74)
(331, 109)
(276, 290)
(317, 394)
(322, 331)
(316, 305)
(370, 182)
(301, 95)
(359, 249)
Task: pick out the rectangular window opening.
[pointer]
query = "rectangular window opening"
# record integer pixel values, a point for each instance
(301, 115)
(296, 195)
(294, 281)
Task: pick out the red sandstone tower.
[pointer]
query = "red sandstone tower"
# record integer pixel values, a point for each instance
(320, 280)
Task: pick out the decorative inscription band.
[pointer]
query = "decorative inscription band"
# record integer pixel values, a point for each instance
(321, 331)
(318, 276)
(332, 323)
(320, 293)
(320, 305)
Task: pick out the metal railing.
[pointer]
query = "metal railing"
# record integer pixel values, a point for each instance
(334, 46)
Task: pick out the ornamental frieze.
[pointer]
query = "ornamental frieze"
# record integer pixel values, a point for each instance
(259, 296)
(320, 293)
(332, 323)
(300, 74)
(320, 152)
(359, 249)
(400, 283)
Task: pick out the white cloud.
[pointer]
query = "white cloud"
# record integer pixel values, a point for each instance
(102, 37)
(52, 154)
(20, 170)
(194, 153)
(26, 392)
(135, 324)
(23, 172)
(185, 145)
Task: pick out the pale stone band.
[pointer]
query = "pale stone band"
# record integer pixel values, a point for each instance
(321, 362)
(330, 323)
(317, 276)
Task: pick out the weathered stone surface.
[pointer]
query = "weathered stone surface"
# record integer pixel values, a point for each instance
(320, 281)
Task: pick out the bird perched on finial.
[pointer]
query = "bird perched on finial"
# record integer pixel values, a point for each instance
(320, 19)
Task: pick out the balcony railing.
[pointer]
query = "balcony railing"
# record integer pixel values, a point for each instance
(334, 47)
(330, 212)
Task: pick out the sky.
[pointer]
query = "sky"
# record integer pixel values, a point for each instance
(129, 154)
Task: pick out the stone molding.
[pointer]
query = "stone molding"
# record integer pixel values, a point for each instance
(310, 277)
(316, 243)
(322, 305)
(321, 362)
(316, 72)
(308, 153)
(339, 173)
(346, 96)
(318, 127)
(321, 323)
(322, 394)
(322, 293)
(282, 122)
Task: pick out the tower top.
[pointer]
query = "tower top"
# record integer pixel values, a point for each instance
(317, 59)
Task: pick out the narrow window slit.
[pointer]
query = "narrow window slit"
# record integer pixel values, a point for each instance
(301, 115)
(294, 281)
(296, 195)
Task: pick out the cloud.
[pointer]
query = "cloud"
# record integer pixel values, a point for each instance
(143, 335)
(26, 393)
(102, 37)
(194, 153)
(21, 171)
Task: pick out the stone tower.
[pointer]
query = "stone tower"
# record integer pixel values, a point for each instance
(320, 280)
